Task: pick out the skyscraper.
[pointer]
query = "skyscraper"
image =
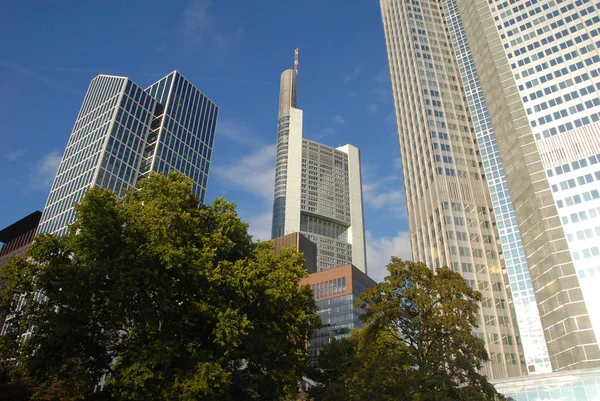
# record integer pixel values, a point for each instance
(539, 71)
(123, 132)
(449, 207)
(318, 189)
(521, 78)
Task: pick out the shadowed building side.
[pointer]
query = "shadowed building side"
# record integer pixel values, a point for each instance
(16, 239)
(301, 244)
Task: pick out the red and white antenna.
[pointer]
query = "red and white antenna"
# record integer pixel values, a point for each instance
(296, 61)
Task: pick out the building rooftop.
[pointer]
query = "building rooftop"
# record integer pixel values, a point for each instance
(20, 227)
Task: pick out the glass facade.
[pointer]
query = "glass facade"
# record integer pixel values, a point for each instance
(325, 203)
(186, 131)
(339, 316)
(538, 64)
(283, 132)
(123, 132)
(335, 292)
(451, 219)
(318, 188)
(528, 318)
(572, 386)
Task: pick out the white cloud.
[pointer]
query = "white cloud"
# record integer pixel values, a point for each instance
(390, 119)
(353, 75)
(338, 120)
(44, 171)
(201, 26)
(15, 154)
(197, 21)
(327, 132)
(236, 131)
(384, 191)
(383, 75)
(379, 197)
(255, 173)
(259, 226)
(372, 108)
(381, 94)
(380, 250)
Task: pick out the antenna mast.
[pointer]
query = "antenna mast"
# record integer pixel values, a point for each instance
(296, 61)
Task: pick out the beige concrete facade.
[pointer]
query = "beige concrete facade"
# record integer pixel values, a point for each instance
(449, 207)
(564, 314)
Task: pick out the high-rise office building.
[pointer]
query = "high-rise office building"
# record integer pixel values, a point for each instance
(539, 68)
(123, 132)
(451, 219)
(335, 292)
(318, 189)
(523, 78)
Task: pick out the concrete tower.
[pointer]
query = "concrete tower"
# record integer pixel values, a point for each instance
(318, 189)
(523, 77)
(538, 64)
(451, 219)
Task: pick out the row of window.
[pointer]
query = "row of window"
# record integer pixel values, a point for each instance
(573, 182)
(102, 91)
(581, 235)
(586, 253)
(576, 165)
(581, 216)
(579, 198)
(329, 288)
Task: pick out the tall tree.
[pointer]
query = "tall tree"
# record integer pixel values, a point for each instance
(417, 343)
(337, 361)
(158, 298)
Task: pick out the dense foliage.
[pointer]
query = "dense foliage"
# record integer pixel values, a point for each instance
(417, 343)
(158, 299)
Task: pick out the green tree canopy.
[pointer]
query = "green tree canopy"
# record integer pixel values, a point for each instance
(417, 343)
(158, 298)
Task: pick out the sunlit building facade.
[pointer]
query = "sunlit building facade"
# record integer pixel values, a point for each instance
(539, 69)
(450, 210)
(523, 78)
(528, 318)
(123, 132)
(318, 188)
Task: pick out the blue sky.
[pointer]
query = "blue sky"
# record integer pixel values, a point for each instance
(234, 51)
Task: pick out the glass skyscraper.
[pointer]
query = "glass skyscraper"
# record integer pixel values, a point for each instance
(318, 189)
(541, 84)
(451, 219)
(123, 132)
(532, 337)
(522, 78)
